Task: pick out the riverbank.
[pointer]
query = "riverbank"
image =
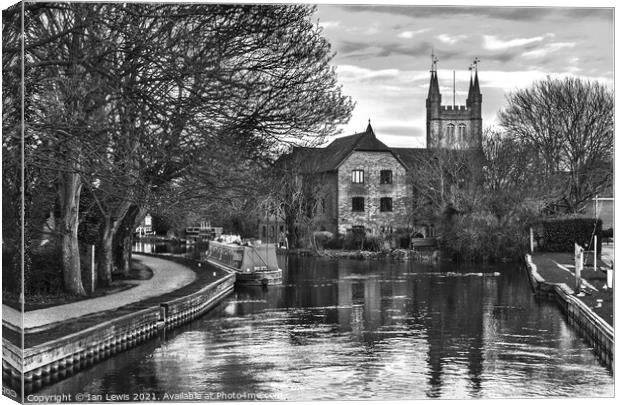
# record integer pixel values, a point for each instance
(552, 275)
(394, 254)
(54, 350)
(559, 268)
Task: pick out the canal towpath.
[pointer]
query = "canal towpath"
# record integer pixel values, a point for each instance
(167, 276)
(559, 267)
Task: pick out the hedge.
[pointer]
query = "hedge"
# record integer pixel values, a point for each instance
(561, 234)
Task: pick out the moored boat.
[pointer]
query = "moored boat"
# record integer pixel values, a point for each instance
(254, 265)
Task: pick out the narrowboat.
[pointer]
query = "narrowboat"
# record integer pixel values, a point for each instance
(254, 265)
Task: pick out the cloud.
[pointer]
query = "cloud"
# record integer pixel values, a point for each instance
(387, 73)
(348, 47)
(525, 14)
(359, 74)
(414, 138)
(450, 40)
(329, 24)
(411, 34)
(493, 43)
(544, 51)
(511, 80)
(421, 49)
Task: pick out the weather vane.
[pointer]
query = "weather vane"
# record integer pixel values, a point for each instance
(434, 61)
(474, 65)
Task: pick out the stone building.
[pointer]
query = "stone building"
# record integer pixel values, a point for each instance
(363, 183)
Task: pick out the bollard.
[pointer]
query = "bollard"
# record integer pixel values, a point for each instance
(92, 269)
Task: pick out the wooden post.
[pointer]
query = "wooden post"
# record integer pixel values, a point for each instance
(578, 267)
(595, 252)
(92, 268)
(596, 206)
(531, 240)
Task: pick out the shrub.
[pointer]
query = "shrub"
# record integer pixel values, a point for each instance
(321, 238)
(360, 241)
(482, 237)
(374, 243)
(402, 237)
(47, 270)
(352, 241)
(11, 271)
(561, 234)
(335, 242)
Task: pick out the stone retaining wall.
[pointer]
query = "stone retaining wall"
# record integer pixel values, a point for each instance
(596, 331)
(51, 361)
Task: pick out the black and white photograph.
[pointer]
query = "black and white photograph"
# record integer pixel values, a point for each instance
(232, 201)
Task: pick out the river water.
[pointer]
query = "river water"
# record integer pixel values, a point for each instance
(353, 329)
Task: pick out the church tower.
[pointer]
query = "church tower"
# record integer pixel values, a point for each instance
(454, 126)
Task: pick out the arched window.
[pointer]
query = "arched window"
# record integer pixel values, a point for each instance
(462, 134)
(450, 134)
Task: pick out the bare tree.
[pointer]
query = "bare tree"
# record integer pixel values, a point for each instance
(568, 125)
(297, 194)
(512, 175)
(130, 101)
(444, 181)
(62, 110)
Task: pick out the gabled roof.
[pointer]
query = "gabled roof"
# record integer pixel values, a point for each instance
(330, 157)
(368, 141)
(409, 156)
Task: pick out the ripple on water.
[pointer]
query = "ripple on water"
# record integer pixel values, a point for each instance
(410, 335)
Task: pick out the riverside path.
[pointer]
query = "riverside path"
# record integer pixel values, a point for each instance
(167, 276)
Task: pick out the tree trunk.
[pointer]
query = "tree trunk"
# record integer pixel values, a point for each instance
(126, 253)
(124, 238)
(104, 262)
(69, 194)
(292, 236)
(109, 228)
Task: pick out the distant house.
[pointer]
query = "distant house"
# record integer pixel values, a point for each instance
(146, 226)
(365, 184)
(203, 232)
(603, 208)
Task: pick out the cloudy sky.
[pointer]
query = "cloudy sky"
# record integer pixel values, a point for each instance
(383, 56)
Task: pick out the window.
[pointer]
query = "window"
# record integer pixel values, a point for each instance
(357, 204)
(323, 205)
(462, 134)
(357, 176)
(450, 134)
(386, 204)
(386, 177)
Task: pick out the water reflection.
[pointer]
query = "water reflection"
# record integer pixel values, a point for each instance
(171, 247)
(367, 330)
